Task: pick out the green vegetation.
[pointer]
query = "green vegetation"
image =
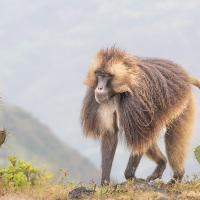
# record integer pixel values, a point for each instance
(20, 173)
(21, 180)
(197, 153)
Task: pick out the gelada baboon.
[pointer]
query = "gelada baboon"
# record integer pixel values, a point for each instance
(138, 97)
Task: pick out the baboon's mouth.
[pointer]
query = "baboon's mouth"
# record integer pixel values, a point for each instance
(101, 98)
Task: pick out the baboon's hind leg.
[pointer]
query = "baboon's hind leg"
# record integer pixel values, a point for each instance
(156, 155)
(177, 140)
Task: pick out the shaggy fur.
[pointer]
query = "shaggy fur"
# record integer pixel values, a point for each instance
(152, 93)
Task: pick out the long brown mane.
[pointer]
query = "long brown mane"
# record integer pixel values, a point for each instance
(144, 112)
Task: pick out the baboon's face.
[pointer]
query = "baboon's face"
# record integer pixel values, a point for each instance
(103, 90)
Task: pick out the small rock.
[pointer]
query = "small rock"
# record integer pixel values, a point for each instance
(80, 192)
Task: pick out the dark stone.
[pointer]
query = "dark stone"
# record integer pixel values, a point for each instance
(80, 192)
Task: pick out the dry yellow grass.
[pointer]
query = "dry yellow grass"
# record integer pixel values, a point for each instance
(50, 191)
(43, 191)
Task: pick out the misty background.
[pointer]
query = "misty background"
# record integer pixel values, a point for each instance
(46, 48)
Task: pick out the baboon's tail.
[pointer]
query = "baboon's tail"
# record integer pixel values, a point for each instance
(195, 82)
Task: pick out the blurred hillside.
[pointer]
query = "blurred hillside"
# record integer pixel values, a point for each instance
(46, 48)
(32, 141)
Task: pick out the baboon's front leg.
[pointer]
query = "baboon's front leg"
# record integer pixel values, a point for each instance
(108, 148)
(132, 165)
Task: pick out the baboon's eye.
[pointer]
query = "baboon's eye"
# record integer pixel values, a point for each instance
(102, 74)
(109, 83)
